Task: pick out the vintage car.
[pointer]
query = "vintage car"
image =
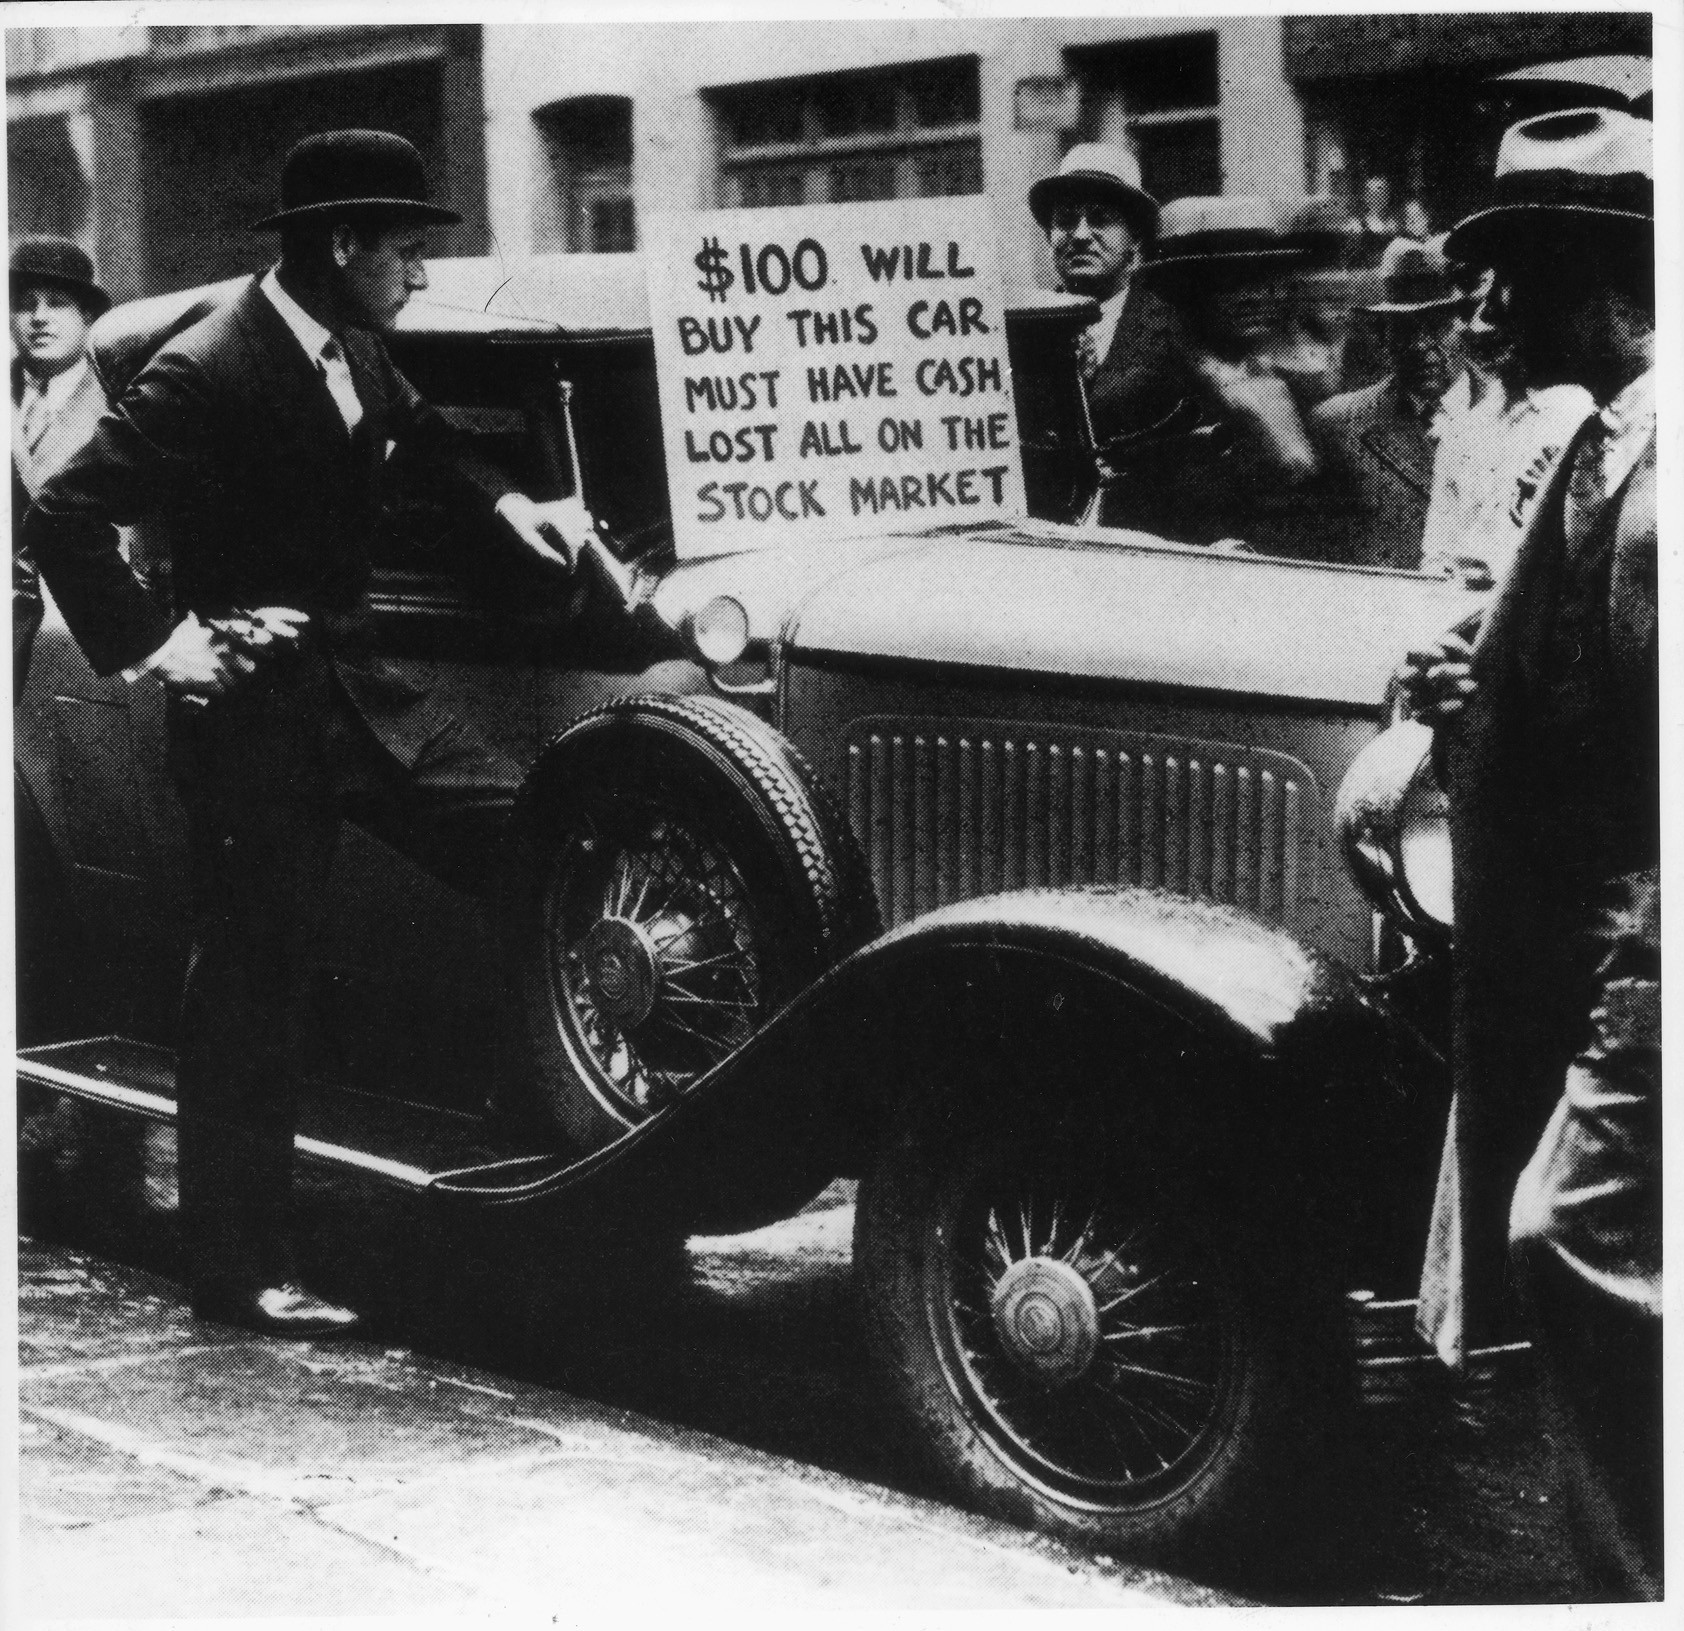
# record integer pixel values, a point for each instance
(994, 866)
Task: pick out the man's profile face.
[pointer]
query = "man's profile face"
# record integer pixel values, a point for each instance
(380, 271)
(49, 328)
(1092, 246)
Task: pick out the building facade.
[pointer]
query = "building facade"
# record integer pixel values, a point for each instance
(155, 146)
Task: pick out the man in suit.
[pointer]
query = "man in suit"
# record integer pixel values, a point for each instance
(1377, 444)
(56, 397)
(1098, 218)
(1220, 265)
(1547, 729)
(260, 435)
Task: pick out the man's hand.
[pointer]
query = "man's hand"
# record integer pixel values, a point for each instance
(1262, 402)
(1437, 680)
(197, 662)
(556, 531)
(204, 660)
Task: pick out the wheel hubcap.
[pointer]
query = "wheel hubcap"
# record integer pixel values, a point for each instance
(1047, 1319)
(621, 969)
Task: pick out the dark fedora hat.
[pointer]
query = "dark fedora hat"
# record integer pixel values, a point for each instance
(1098, 170)
(354, 172)
(1233, 232)
(57, 263)
(1590, 166)
(1415, 279)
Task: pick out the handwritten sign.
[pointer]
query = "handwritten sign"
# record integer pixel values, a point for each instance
(831, 370)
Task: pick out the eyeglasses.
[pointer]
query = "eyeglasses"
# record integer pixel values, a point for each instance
(1099, 217)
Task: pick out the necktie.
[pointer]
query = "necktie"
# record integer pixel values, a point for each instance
(37, 416)
(1087, 351)
(337, 372)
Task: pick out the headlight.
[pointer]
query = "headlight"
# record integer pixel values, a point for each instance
(1394, 822)
(719, 631)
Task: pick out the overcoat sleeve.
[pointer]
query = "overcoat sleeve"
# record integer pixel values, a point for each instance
(145, 454)
(416, 423)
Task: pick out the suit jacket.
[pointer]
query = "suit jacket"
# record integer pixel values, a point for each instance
(231, 436)
(1135, 384)
(69, 429)
(1378, 474)
(1554, 783)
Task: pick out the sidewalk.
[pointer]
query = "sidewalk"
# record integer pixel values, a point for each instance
(176, 1469)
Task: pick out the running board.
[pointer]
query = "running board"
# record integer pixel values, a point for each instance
(415, 1147)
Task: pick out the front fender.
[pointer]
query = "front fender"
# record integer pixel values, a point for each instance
(1246, 1039)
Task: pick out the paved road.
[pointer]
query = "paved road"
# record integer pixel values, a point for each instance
(706, 1437)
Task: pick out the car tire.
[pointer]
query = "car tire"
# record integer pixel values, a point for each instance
(679, 875)
(1158, 1378)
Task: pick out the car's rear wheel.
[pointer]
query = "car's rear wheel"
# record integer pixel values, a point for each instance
(1078, 1340)
(681, 876)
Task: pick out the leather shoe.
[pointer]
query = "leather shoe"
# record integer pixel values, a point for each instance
(278, 1311)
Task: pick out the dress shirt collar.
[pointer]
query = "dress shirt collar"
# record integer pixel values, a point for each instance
(309, 333)
(59, 389)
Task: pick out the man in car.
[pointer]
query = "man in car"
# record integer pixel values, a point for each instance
(1220, 264)
(1378, 443)
(260, 435)
(1098, 219)
(56, 397)
(1547, 730)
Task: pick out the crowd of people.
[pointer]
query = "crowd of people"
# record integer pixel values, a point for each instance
(1275, 374)
(1483, 406)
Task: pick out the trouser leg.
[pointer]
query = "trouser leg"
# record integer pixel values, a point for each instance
(262, 825)
(1600, 1362)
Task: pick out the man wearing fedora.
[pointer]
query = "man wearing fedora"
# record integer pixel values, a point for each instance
(1377, 444)
(1547, 731)
(259, 436)
(56, 397)
(1098, 219)
(1219, 263)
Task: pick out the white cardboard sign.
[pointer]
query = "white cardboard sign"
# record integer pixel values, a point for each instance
(832, 369)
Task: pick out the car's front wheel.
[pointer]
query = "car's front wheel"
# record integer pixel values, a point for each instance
(680, 877)
(1078, 1341)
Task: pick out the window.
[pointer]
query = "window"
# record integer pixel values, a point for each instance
(585, 205)
(1162, 97)
(910, 132)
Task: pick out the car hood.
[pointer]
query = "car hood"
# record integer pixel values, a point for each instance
(1088, 603)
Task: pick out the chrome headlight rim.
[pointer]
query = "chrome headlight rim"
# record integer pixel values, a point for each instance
(1393, 826)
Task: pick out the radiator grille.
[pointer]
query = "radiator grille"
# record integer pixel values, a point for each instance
(947, 809)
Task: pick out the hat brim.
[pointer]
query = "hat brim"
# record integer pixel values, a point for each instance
(1473, 239)
(1222, 258)
(1140, 209)
(90, 296)
(1414, 308)
(407, 209)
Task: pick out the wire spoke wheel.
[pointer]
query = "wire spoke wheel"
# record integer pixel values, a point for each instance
(654, 956)
(677, 875)
(1088, 1334)
(1077, 1335)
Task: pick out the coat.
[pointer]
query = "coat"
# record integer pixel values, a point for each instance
(1133, 387)
(231, 437)
(1377, 461)
(1554, 784)
(70, 428)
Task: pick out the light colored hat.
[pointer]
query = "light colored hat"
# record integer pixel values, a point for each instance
(1220, 231)
(1415, 277)
(1594, 165)
(1097, 169)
